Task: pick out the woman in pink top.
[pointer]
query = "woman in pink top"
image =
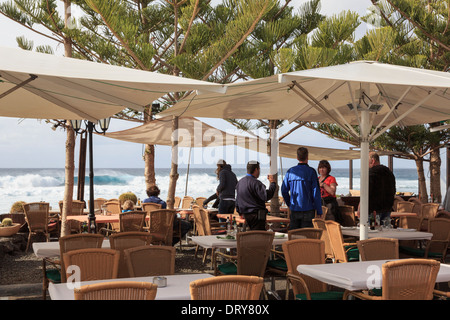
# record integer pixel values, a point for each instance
(328, 186)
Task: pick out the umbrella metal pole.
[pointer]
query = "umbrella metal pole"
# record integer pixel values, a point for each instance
(92, 227)
(364, 177)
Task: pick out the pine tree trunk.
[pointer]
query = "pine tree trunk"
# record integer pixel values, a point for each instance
(149, 159)
(70, 143)
(423, 195)
(435, 175)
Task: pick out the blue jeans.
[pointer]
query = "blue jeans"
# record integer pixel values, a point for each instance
(302, 219)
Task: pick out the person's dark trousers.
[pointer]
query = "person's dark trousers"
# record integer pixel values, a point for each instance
(226, 206)
(253, 223)
(301, 219)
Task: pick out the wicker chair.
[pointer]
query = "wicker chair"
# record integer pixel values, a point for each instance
(236, 287)
(161, 226)
(343, 252)
(199, 201)
(437, 247)
(309, 233)
(177, 202)
(128, 222)
(410, 222)
(320, 224)
(93, 264)
(126, 240)
(66, 244)
(37, 217)
(76, 210)
(118, 290)
(347, 216)
(428, 212)
(252, 254)
(378, 249)
(205, 227)
(150, 206)
(98, 203)
(145, 261)
(405, 206)
(306, 251)
(408, 279)
(186, 202)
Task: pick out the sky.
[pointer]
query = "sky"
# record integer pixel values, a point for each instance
(30, 143)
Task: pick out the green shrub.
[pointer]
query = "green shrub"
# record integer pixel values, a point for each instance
(17, 207)
(127, 196)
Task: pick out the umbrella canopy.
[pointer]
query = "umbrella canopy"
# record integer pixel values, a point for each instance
(195, 133)
(43, 86)
(372, 95)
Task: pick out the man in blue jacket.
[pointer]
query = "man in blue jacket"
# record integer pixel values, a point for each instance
(301, 192)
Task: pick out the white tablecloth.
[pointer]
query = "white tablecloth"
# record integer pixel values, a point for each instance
(51, 249)
(214, 242)
(177, 287)
(400, 234)
(356, 275)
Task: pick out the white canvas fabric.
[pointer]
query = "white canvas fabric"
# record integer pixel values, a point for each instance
(67, 88)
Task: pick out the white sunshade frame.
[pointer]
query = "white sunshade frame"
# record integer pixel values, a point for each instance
(380, 96)
(44, 86)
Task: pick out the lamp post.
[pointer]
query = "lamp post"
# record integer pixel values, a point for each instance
(90, 127)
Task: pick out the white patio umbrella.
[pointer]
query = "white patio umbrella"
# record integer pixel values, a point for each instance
(372, 95)
(44, 86)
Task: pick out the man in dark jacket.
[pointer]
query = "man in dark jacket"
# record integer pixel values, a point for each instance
(251, 197)
(381, 188)
(226, 189)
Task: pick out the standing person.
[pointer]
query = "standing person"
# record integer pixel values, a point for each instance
(328, 186)
(251, 197)
(381, 188)
(226, 190)
(301, 192)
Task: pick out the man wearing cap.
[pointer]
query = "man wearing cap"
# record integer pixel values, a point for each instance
(301, 192)
(251, 197)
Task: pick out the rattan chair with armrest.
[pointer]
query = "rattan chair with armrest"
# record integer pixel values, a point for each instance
(126, 240)
(378, 249)
(117, 290)
(37, 218)
(128, 222)
(342, 251)
(406, 279)
(145, 261)
(231, 287)
(92, 264)
(306, 251)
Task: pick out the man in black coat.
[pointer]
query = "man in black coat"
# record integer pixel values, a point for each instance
(251, 197)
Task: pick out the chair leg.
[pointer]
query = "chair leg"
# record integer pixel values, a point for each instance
(28, 242)
(44, 281)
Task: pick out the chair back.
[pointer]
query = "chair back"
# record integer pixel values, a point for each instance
(161, 226)
(98, 203)
(198, 221)
(76, 210)
(75, 242)
(206, 222)
(125, 240)
(347, 215)
(378, 249)
(117, 290)
(440, 228)
(199, 201)
(177, 202)
(36, 215)
(320, 224)
(324, 212)
(132, 221)
(229, 287)
(112, 207)
(146, 261)
(186, 202)
(405, 206)
(302, 233)
(336, 241)
(304, 251)
(253, 250)
(417, 206)
(409, 279)
(150, 206)
(410, 222)
(429, 211)
(93, 263)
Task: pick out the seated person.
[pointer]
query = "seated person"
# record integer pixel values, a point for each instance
(153, 197)
(127, 206)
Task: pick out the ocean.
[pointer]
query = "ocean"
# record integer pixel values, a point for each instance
(31, 185)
